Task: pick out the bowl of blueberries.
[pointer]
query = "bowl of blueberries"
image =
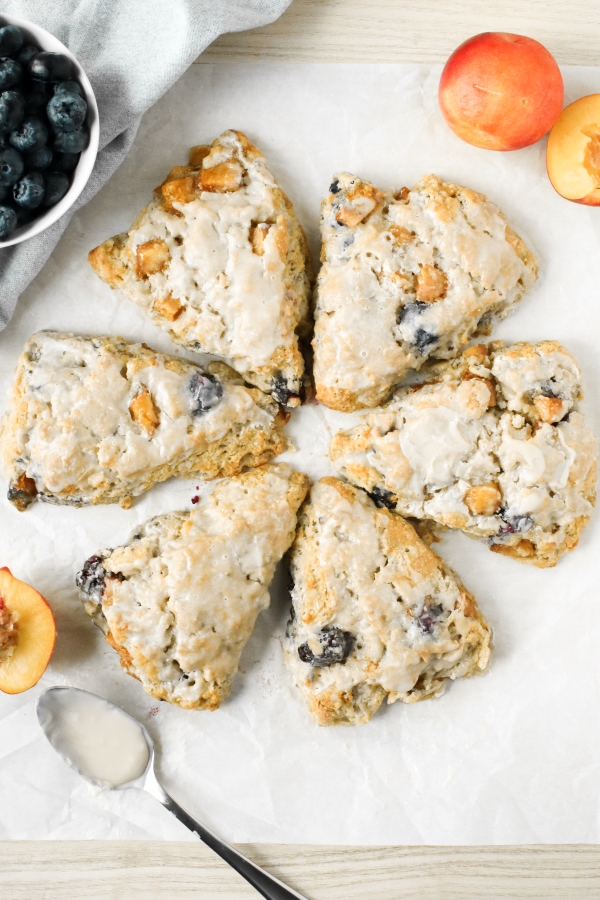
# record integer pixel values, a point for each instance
(49, 129)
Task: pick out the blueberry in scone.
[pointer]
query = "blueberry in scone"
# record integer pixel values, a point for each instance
(492, 443)
(101, 420)
(180, 599)
(219, 260)
(375, 612)
(405, 277)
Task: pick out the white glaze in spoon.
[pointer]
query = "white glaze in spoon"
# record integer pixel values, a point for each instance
(97, 739)
(111, 749)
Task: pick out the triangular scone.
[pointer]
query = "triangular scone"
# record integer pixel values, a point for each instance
(100, 420)
(180, 599)
(219, 260)
(375, 612)
(492, 443)
(406, 277)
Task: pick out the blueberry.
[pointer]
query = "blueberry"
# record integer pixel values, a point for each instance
(335, 187)
(383, 497)
(281, 392)
(92, 578)
(57, 185)
(12, 110)
(8, 223)
(66, 112)
(65, 162)
(11, 40)
(23, 492)
(11, 73)
(11, 166)
(39, 159)
(30, 134)
(29, 191)
(72, 141)
(514, 523)
(36, 101)
(4, 192)
(336, 646)
(24, 215)
(423, 340)
(48, 66)
(68, 87)
(206, 392)
(26, 54)
(428, 618)
(548, 389)
(409, 313)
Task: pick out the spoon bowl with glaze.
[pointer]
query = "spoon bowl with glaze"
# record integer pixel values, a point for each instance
(112, 750)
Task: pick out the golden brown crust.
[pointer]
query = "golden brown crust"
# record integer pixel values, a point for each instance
(108, 260)
(407, 279)
(349, 401)
(240, 446)
(530, 408)
(206, 312)
(360, 574)
(187, 650)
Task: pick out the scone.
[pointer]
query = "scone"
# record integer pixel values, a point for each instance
(219, 260)
(492, 443)
(100, 420)
(406, 277)
(375, 612)
(179, 601)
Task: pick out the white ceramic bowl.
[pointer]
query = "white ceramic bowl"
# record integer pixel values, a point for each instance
(46, 41)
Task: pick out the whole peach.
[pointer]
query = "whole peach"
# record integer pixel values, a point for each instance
(501, 91)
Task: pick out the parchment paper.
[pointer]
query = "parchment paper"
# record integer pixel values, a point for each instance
(508, 758)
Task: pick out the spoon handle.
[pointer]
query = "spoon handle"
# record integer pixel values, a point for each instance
(266, 885)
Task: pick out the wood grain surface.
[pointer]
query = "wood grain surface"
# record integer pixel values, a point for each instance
(138, 870)
(424, 31)
(340, 31)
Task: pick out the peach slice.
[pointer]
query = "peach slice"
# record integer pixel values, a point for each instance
(27, 634)
(573, 152)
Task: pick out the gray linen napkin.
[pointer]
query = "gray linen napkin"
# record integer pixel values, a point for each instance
(132, 52)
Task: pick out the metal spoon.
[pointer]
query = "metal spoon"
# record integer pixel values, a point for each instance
(51, 709)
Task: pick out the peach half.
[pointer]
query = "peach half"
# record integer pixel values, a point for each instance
(573, 152)
(27, 634)
(501, 91)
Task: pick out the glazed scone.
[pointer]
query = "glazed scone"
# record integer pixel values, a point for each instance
(406, 277)
(492, 443)
(101, 420)
(179, 601)
(219, 260)
(375, 612)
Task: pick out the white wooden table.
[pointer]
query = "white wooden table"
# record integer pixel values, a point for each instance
(341, 31)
